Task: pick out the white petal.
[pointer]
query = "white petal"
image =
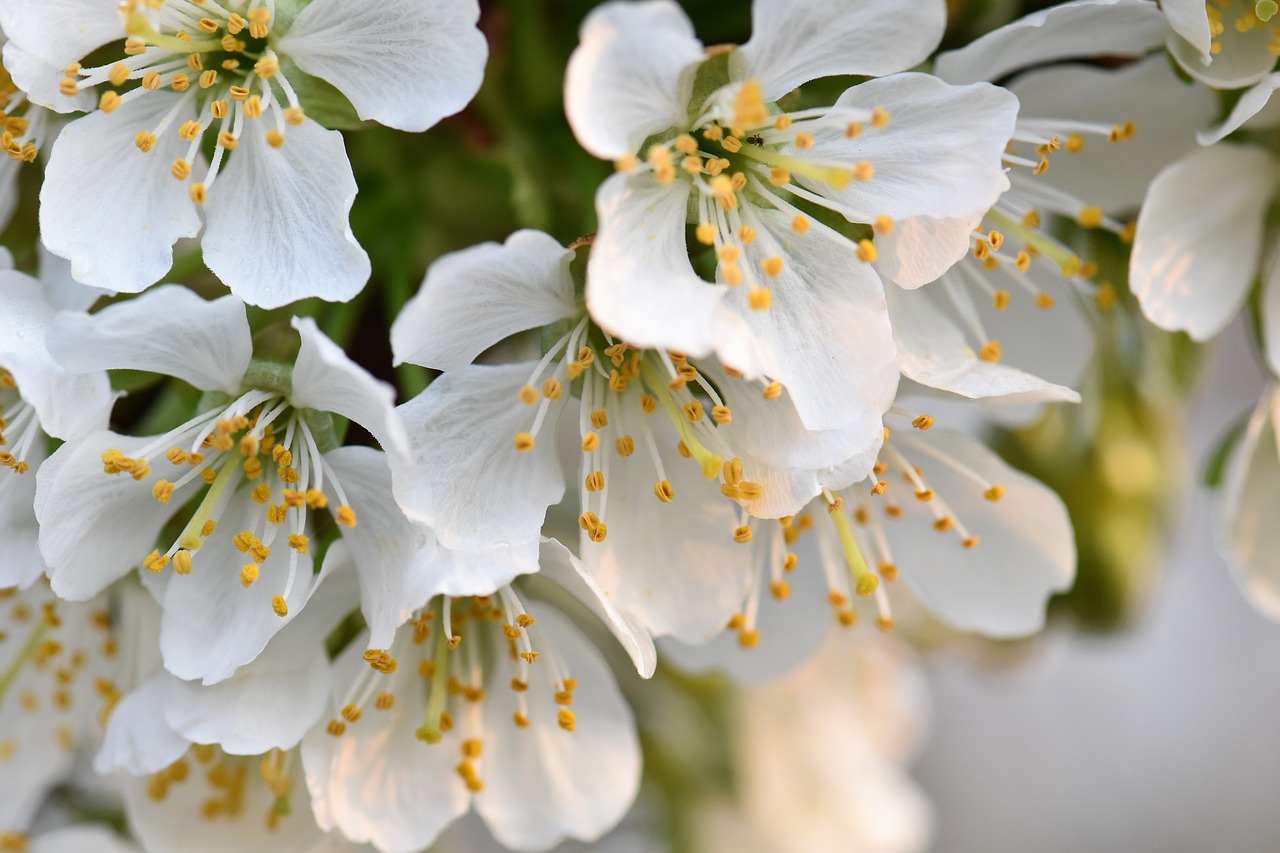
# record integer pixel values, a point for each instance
(1199, 237)
(407, 67)
(1250, 494)
(672, 566)
(1026, 551)
(828, 326)
(82, 838)
(64, 292)
(795, 42)
(1250, 104)
(1149, 92)
(212, 624)
(467, 480)
(631, 75)
(60, 31)
(1188, 19)
(395, 558)
(40, 80)
(1271, 310)
(472, 299)
(543, 783)
(481, 571)
(939, 156)
(277, 219)
(932, 350)
(1244, 58)
(378, 783)
(1085, 28)
(558, 564)
(110, 209)
(167, 330)
(10, 169)
(920, 249)
(640, 286)
(66, 404)
(137, 739)
(95, 527)
(325, 379)
(20, 561)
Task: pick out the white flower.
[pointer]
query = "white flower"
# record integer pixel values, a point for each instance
(486, 463)
(1247, 505)
(981, 545)
(52, 657)
(38, 397)
(494, 703)
(1227, 44)
(795, 301)
(129, 179)
(258, 454)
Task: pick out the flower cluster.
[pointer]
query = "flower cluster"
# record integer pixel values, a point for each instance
(279, 598)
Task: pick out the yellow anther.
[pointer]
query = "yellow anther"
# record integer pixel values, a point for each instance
(923, 422)
(524, 442)
(693, 411)
(779, 176)
(994, 493)
(299, 542)
(1090, 217)
(346, 516)
(990, 352)
(595, 481)
(275, 138)
(942, 525)
(970, 541)
(552, 389)
(590, 442)
(294, 116)
(706, 233)
(863, 171)
(732, 144)
(773, 391)
(279, 606)
(772, 266)
(180, 82)
(1074, 143)
(155, 562)
(760, 298)
(888, 571)
(248, 574)
(924, 494)
(866, 251)
(198, 194)
(749, 638)
(662, 489)
(746, 235)
(336, 728)
(162, 491)
(566, 719)
(780, 590)
(351, 712)
(742, 535)
(879, 118)
(182, 561)
(1044, 301)
(109, 102)
(722, 415)
(800, 224)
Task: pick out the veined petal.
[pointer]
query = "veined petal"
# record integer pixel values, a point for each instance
(277, 219)
(117, 221)
(66, 404)
(325, 379)
(1250, 104)
(467, 479)
(408, 66)
(472, 299)
(1250, 494)
(920, 249)
(1084, 28)
(167, 330)
(795, 42)
(40, 79)
(631, 75)
(60, 31)
(640, 285)
(940, 154)
(559, 565)
(1199, 237)
(1149, 93)
(543, 783)
(1025, 553)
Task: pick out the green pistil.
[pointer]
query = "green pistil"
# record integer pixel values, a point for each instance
(138, 25)
(430, 730)
(710, 462)
(865, 580)
(1068, 262)
(24, 657)
(192, 538)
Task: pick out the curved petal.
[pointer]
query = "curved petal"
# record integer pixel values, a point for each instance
(558, 564)
(1188, 19)
(920, 249)
(1085, 29)
(795, 41)
(433, 45)
(60, 31)
(466, 479)
(277, 219)
(939, 156)
(1149, 92)
(1270, 313)
(472, 299)
(543, 783)
(112, 210)
(167, 330)
(640, 286)
(66, 404)
(20, 562)
(64, 292)
(1251, 103)
(1199, 237)
(378, 783)
(325, 379)
(1250, 494)
(84, 511)
(1241, 58)
(40, 79)
(631, 75)
(137, 739)
(1025, 553)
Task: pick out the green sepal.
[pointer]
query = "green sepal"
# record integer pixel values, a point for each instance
(1216, 468)
(266, 375)
(321, 101)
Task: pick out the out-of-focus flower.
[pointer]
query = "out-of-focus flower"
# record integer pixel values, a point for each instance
(795, 300)
(1247, 505)
(657, 529)
(494, 703)
(129, 179)
(258, 454)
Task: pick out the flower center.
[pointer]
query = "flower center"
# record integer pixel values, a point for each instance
(18, 136)
(1250, 19)
(229, 779)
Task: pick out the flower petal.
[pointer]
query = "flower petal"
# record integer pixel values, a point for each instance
(920, 249)
(795, 41)
(1026, 550)
(40, 79)
(1250, 494)
(939, 156)
(1188, 19)
(325, 379)
(167, 330)
(408, 66)
(1270, 313)
(60, 31)
(64, 292)
(277, 219)
(82, 838)
(631, 75)
(1249, 106)
(1199, 237)
(137, 739)
(1243, 58)
(640, 286)
(472, 299)
(117, 221)
(20, 562)
(1084, 29)
(466, 479)
(66, 404)
(543, 783)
